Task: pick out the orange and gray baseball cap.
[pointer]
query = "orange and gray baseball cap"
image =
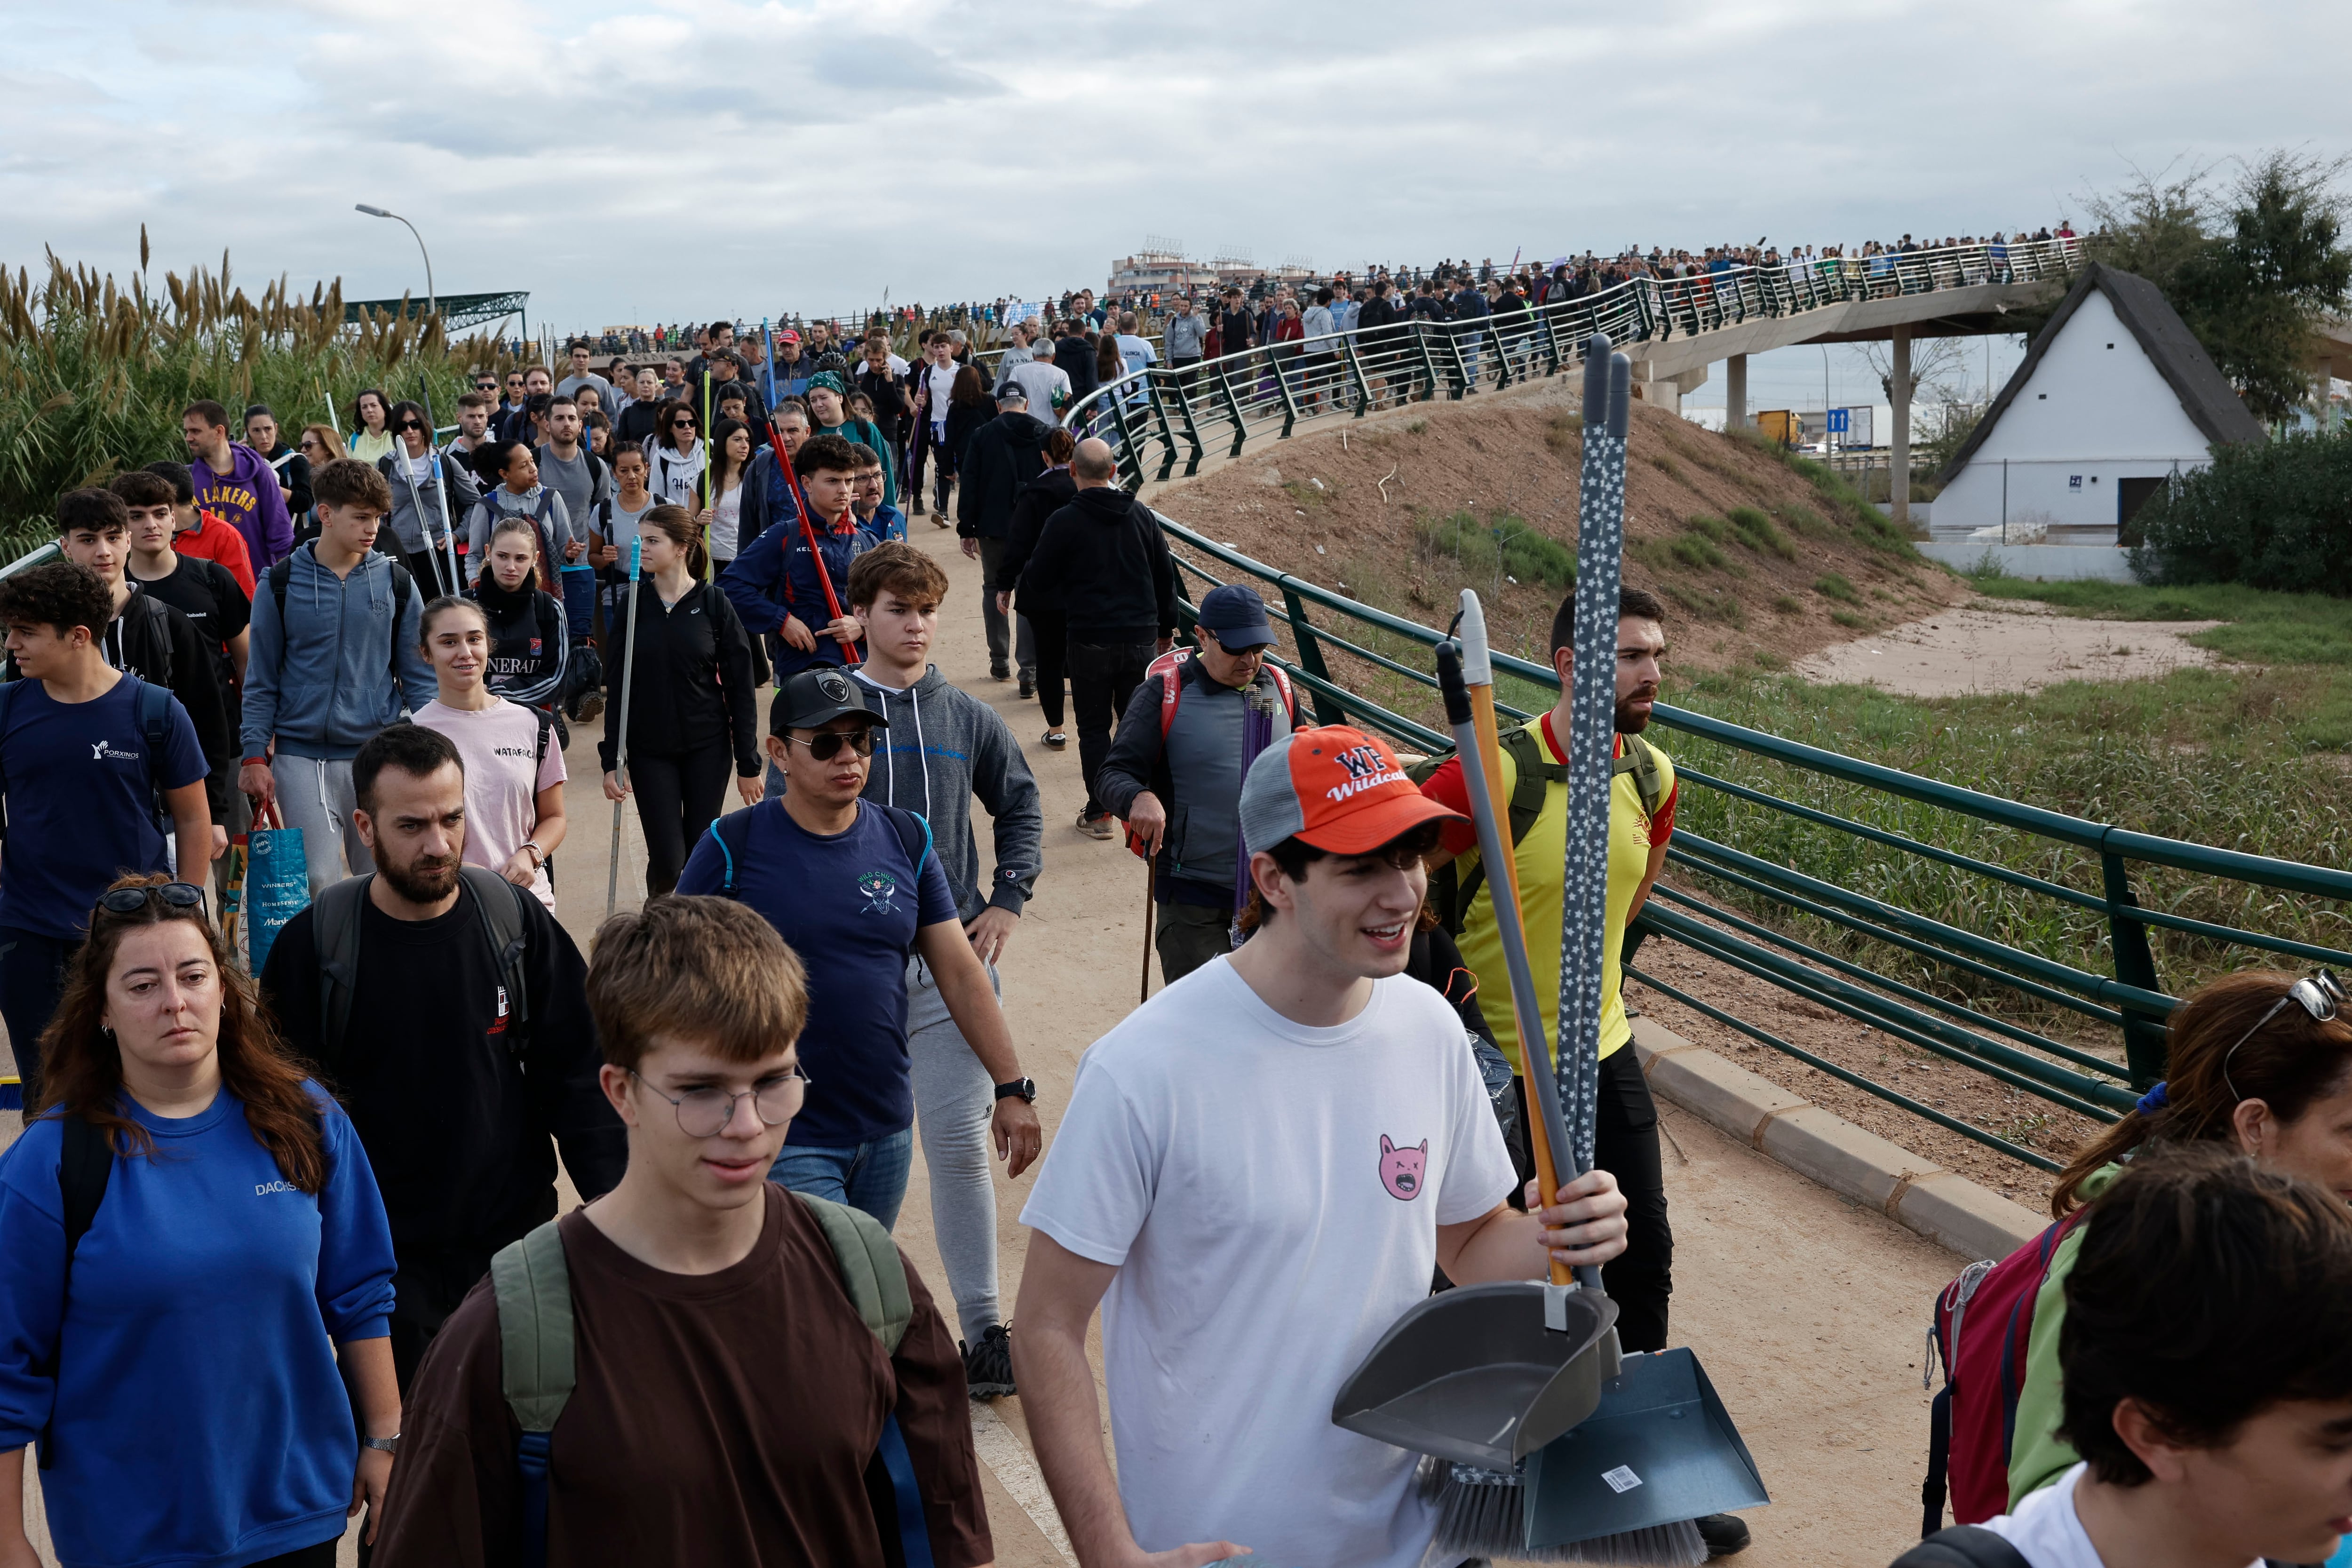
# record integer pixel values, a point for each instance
(1336, 788)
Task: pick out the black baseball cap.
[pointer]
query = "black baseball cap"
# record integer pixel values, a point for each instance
(816, 697)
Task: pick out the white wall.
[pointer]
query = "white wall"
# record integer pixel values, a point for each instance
(2097, 410)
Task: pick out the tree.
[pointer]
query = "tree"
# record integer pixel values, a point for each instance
(2251, 268)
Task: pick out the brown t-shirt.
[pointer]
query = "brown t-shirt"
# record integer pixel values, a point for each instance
(730, 1417)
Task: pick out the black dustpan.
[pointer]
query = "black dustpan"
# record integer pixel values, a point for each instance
(1484, 1374)
(1659, 1448)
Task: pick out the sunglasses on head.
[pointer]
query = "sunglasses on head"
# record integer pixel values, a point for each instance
(826, 744)
(170, 895)
(2319, 993)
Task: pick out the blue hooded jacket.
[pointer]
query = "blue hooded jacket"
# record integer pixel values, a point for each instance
(775, 576)
(342, 664)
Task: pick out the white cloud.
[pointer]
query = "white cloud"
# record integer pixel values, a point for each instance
(672, 159)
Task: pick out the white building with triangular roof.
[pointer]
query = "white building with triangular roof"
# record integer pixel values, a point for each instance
(2114, 397)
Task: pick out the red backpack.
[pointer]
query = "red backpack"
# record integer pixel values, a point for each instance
(1983, 1323)
(1171, 690)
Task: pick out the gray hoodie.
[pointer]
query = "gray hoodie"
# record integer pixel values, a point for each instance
(943, 747)
(342, 664)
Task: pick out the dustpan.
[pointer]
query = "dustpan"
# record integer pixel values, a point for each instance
(1659, 1448)
(1484, 1374)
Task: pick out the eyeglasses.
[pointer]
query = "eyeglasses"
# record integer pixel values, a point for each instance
(826, 743)
(2319, 995)
(170, 895)
(704, 1112)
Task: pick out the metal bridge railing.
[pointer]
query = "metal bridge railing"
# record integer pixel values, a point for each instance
(2130, 1001)
(1263, 393)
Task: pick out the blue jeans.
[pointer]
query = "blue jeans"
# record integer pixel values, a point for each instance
(870, 1175)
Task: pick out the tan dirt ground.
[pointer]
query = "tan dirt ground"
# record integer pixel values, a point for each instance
(1998, 645)
(1341, 504)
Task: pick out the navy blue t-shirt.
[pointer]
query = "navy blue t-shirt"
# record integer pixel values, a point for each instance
(849, 905)
(81, 801)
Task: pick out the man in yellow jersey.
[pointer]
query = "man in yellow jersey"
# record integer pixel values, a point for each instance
(1640, 820)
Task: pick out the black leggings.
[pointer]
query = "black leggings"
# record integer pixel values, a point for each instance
(1050, 634)
(678, 796)
(319, 1556)
(1640, 1280)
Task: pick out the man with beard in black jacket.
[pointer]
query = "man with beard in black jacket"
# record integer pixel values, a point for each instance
(1003, 455)
(1104, 557)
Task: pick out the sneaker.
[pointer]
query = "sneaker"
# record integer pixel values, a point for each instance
(1000, 672)
(988, 1365)
(1028, 684)
(1725, 1533)
(919, 506)
(592, 706)
(1095, 826)
(1055, 738)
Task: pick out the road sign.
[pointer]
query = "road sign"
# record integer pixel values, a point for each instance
(1838, 425)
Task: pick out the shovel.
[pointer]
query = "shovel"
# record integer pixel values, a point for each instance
(1486, 1374)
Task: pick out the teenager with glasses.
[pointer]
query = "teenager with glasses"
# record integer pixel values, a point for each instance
(2257, 1063)
(183, 1363)
(858, 888)
(692, 719)
(729, 1402)
(458, 1035)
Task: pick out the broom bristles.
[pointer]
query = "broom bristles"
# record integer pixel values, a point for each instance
(1486, 1517)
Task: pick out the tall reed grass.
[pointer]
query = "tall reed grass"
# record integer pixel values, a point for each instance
(94, 375)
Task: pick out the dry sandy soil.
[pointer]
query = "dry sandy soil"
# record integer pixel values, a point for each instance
(1347, 506)
(2001, 645)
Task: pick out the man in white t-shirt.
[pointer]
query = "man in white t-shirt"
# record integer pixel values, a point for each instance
(1260, 1169)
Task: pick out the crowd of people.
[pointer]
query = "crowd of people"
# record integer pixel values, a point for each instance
(278, 1247)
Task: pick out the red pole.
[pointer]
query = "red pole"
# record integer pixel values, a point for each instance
(808, 533)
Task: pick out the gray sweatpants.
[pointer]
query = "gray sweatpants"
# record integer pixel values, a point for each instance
(316, 796)
(953, 1101)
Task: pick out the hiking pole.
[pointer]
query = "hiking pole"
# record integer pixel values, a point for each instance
(1151, 908)
(621, 755)
(702, 480)
(808, 533)
(441, 493)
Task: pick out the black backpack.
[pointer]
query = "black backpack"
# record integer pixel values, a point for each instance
(85, 1166)
(1973, 1546)
(335, 926)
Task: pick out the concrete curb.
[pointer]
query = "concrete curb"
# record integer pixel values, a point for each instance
(1948, 1209)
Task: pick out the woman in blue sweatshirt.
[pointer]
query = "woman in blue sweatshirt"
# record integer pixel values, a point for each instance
(178, 1365)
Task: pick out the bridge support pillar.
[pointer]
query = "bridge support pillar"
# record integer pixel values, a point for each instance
(1734, 392)
(1898, 479)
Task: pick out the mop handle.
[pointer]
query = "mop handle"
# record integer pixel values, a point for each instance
(621, 748)
(1503, 892)
(808, 531)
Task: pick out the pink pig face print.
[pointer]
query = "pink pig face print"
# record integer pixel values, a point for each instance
(1401, 1170)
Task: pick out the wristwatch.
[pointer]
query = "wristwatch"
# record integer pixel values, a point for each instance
(382, 1445)
(1025, 1087)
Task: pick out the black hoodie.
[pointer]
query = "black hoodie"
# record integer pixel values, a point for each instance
(1104, 558)
(1005, 454)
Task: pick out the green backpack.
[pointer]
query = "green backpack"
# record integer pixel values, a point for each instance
(533, 1286)
(1535, 772)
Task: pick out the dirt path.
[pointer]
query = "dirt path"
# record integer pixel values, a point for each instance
(1995, 645)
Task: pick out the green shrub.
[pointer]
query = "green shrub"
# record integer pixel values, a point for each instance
(1757, 532)
(1834, 586)
(1504, 544)
(1802, 519)
(1848, 618)
(1713, 527)
(2273, 514)
(1666, 465)
(1788, 603)
(1696, 549)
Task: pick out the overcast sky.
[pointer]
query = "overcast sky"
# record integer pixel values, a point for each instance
(670, 158)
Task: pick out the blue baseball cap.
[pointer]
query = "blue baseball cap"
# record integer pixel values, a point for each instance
(1237, 617)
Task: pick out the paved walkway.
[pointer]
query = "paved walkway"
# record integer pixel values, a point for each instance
(1808, 1312)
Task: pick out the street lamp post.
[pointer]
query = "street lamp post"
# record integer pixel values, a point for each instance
(431, 306)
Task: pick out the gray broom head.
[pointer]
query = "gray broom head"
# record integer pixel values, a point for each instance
(1482, 1513)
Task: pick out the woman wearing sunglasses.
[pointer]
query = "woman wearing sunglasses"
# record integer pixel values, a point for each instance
(692, 714)
(431, 493)
(179, 1362)
(2258, 1062)
(678, 456)
(320, 445)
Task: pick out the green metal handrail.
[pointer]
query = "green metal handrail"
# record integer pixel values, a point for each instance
(2131, 999)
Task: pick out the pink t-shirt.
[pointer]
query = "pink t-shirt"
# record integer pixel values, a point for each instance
(504, 774)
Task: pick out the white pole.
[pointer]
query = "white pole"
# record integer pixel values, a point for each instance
(621, 754)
